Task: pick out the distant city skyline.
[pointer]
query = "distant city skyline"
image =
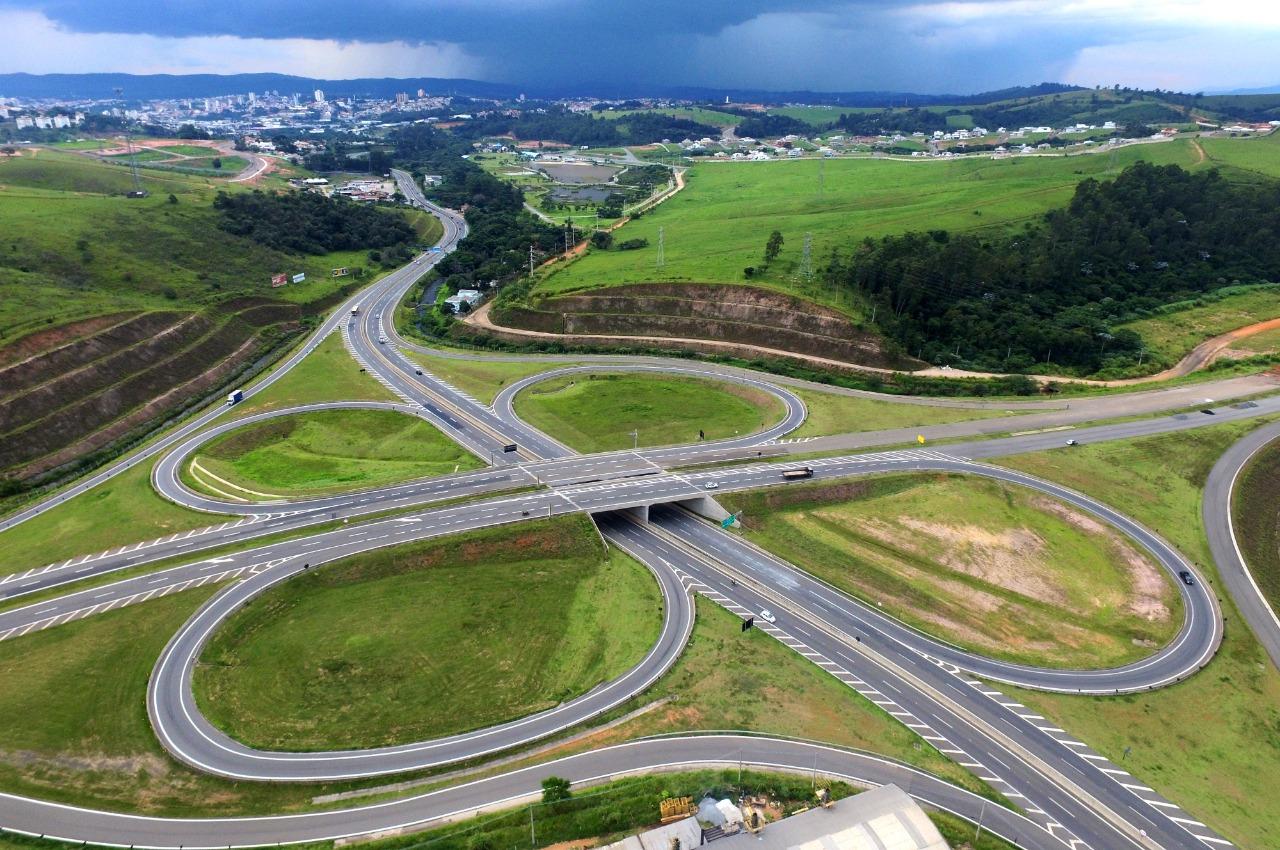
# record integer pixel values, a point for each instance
(962, 46)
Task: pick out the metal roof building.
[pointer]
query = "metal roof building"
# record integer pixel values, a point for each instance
(883, 818)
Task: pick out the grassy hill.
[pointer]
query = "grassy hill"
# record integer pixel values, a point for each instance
(190, 305)
(718, 226)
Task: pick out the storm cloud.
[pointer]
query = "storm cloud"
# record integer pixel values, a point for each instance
(827, 45)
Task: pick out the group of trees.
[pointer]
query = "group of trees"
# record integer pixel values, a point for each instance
(308, 223)
(576, 128)
(1054, 292)
(500, 233)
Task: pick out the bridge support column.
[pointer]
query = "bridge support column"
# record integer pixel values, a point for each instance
(639, 513)
(705, 506)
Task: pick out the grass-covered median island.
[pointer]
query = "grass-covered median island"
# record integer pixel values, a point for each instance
(1256, 516)
(326, 451)
(986, 565)
(600, 412)
(429, 639)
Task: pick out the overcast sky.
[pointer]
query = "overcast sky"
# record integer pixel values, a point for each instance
(960, 46)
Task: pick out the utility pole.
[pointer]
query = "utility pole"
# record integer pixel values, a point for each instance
(635, 439)
(530, 261)
(806, 259)
(662, 247)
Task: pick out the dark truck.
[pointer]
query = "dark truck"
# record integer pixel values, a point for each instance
(796, 474)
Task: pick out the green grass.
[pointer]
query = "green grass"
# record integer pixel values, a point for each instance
(839, 414)
(329, 451)
(481, 378)
(1247, 158)
(187, 150)
(728, 679)
(142, 155)
(1260, 343)
(719, 224)
(123, 510)
(710, 117)
(1211, 742)
(427, 226)
(599, 412)
(980, 563)
(362, 653)
(1257, 522)
(1169, 336)
(329, 373)
(75, 247)
(230, 165)
(127, 510)
(817, 116)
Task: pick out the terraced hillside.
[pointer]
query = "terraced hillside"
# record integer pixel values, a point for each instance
(117, 313)
(722, 315)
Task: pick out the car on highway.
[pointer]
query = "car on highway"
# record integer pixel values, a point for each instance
(1207, 412)
(1073, 442)
(417, 371)
(1187, 579)
(382, 340)
(710, 485)
(767, 616)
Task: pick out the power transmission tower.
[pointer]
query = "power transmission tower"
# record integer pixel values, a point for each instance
(662, 246)
(138, 191)
(806, 259)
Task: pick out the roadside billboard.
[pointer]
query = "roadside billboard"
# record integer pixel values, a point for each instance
(300, 277)
(279, 279)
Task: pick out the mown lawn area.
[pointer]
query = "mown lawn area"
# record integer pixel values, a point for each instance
(1209, 743)
(329, 373)
(839, 414)
(980, 563)
(124, 510)
(1171, 335)
(719, 224)
(599, 412)
(481, 378)
(430, 639)
(328, 451)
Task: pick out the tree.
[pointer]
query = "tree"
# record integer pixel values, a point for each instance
(773, 247)
(173, 199)
(602, 239)
(217, 162)
(555, 789)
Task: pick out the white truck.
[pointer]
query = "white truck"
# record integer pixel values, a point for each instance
(355, 309)
(235, 397)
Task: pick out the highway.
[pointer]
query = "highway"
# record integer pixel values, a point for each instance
(1073, 796)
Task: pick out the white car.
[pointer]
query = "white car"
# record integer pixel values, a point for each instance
(382, 340)
(710, 485)
(767, 616)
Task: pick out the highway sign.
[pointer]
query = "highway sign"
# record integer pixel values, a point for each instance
(510, 447)
(748, 623)
(728, 521)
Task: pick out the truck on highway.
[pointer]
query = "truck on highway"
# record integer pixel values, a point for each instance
(355, 309)
(794, 474)
(235, 397)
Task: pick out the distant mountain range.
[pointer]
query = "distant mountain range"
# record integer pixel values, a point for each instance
(163, 86)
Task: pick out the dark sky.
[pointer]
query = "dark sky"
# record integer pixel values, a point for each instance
(961, 46)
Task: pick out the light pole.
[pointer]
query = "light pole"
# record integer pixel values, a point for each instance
(635, 439)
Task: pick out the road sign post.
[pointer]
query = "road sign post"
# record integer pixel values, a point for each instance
(748, 623)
